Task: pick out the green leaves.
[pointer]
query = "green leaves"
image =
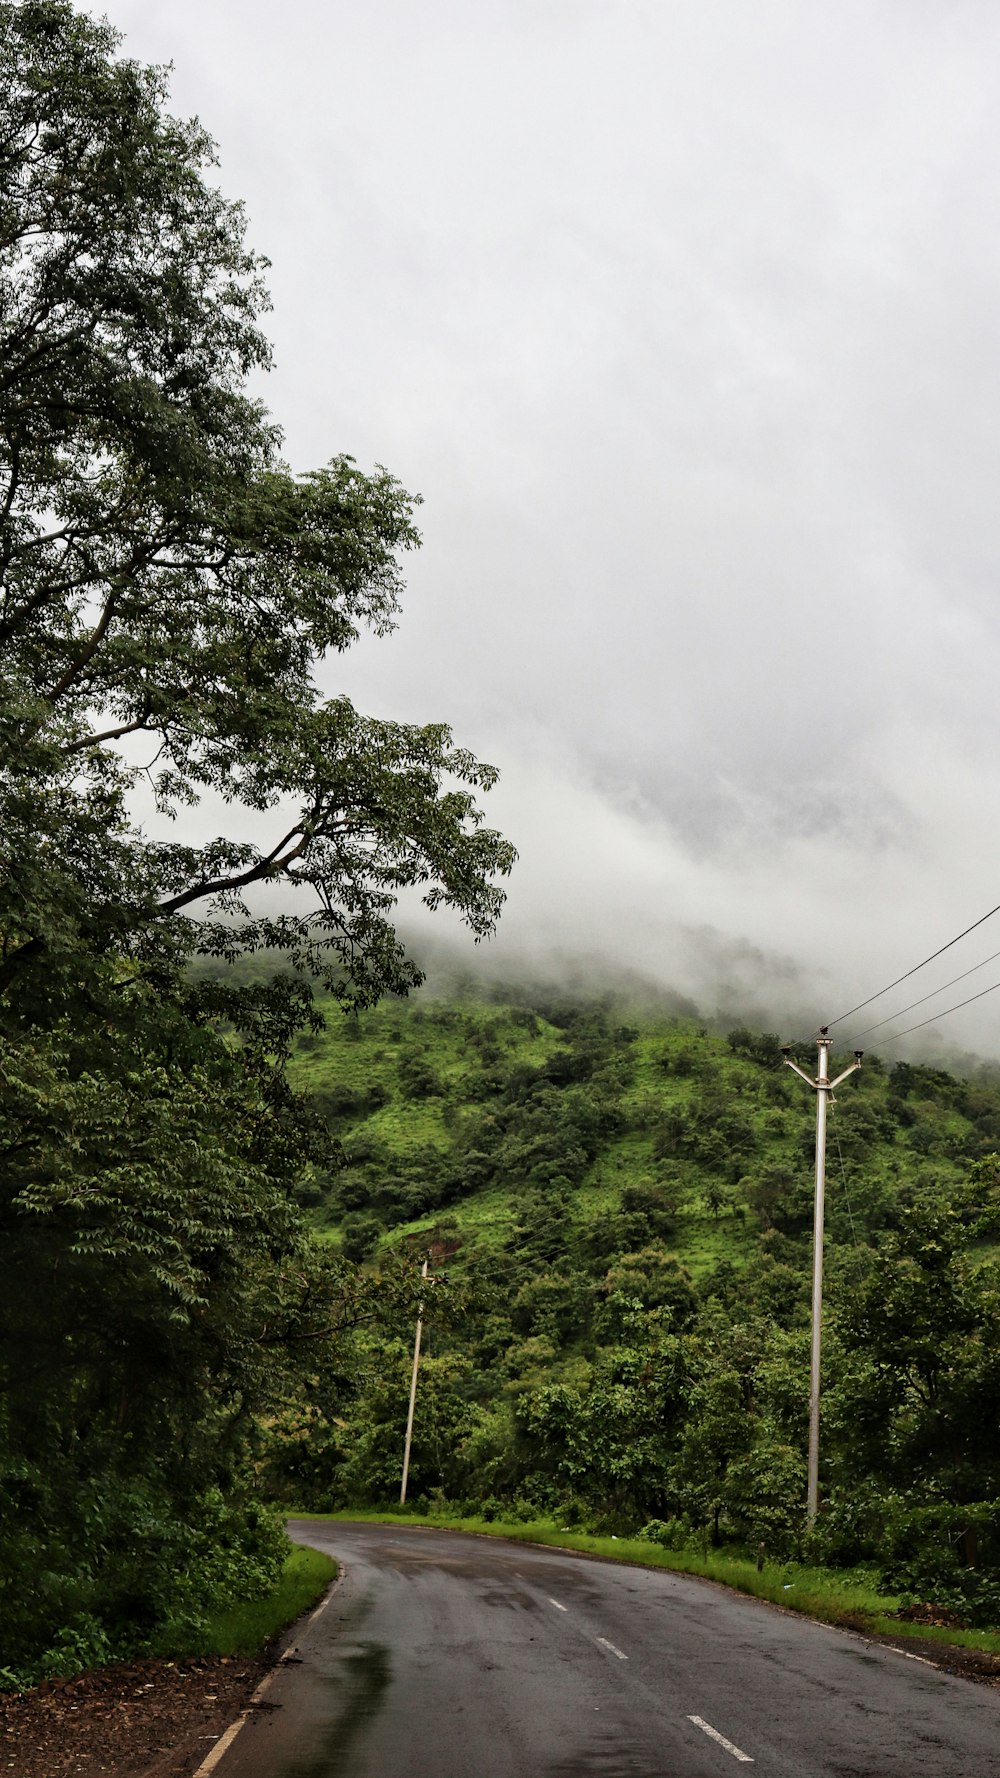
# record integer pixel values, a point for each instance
(169, 591)
(166, 582)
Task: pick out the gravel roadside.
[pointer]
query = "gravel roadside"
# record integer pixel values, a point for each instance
(144, 1719)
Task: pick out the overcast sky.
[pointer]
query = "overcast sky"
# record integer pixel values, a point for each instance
(682, 315)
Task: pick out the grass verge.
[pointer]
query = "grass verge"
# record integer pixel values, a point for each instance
(247, 1628)
(847, 1598)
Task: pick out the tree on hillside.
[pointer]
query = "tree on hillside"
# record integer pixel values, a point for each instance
(168, 590)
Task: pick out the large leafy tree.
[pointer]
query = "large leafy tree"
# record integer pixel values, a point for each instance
(167, 587)
(168, 591)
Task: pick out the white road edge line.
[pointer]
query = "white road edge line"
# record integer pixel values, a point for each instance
(730, 1747)
(557, 1605)
(924, 1662)
(606, 1644)
(226, 1739)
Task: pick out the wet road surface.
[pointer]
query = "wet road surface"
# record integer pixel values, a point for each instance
(443, 1656)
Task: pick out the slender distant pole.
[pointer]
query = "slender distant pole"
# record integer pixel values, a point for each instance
(822, 1086)
(819, 1207)
(413, 1396)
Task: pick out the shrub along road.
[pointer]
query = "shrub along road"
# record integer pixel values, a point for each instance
(447, 1654)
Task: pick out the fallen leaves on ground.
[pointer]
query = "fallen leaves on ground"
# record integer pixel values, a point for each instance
(143, 1719)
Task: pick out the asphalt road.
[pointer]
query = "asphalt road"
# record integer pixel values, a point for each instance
(442, 1656)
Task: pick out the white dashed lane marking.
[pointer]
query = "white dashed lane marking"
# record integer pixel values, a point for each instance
(699, 1721)
(610, 1645)
(730, 1746)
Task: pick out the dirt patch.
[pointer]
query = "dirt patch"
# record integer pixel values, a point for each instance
(146, 1719)
(964, 1663)
(926, 1612)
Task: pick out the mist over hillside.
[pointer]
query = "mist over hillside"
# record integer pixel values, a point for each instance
(703, 976)
(785, 938)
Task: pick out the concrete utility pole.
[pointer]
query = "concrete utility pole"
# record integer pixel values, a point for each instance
(413, 1396)
(822, 1086)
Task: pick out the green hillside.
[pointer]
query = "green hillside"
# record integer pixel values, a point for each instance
(456, 1108)
(617, 1206)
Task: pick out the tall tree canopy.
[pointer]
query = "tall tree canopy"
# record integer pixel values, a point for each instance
(165, 580)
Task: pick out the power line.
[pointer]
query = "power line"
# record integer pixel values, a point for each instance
(925, 997)
(941, 1015)
(907, 974)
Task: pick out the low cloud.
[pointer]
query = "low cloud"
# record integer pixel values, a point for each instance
(682, 319)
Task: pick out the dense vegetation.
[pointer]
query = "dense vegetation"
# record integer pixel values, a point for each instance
(217, 1187)
(619, 1210)
(168, 589)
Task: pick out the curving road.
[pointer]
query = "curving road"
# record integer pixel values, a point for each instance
(443, 1656)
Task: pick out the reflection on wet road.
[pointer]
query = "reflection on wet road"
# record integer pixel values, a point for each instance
(442, 1656)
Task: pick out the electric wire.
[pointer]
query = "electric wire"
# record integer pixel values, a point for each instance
(925, 997)
(907, 973)
(939, 1015)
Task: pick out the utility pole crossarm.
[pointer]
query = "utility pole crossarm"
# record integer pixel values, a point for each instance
(855, 1065)
(801, 1071)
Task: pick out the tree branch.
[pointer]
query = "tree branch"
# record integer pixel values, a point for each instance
(110, 734)
(264, 868)
(88, 652)
(8, 505)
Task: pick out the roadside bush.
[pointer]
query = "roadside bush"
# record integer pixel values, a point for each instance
(131, 1573)
(765, 1490)
(670, 1534)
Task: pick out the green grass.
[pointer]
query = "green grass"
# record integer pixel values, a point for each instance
(248, 1627)
(986, 1640)
(406, 1125)
(847, 1599)
(489, 1216)
(703, 1241)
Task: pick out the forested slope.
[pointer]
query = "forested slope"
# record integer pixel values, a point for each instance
(618, 1207)
(468, 1103)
